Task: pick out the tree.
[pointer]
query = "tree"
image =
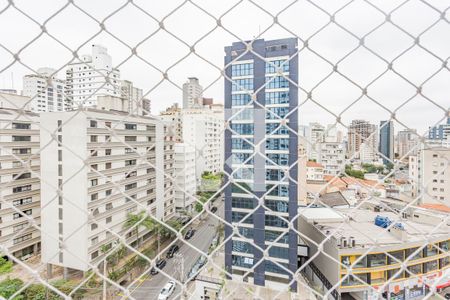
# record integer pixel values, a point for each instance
(5, 266)
(10, 286)
(142, 219)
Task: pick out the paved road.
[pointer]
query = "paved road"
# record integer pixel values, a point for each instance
(150, 288)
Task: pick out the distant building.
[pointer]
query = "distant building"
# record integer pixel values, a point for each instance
(192, 93)
(97, 173)
(201, 128)
(331, 151)
(429, 172)
(134, 97)
(386, 145)
(314, 172)
(440, 132)
(362, 141)
(146, 107)
(406, 144)
(14, 101)
(92, 76)
(47, 93)
(20, 181)
(315, 136)
(184, 177)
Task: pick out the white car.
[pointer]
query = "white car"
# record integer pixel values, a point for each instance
(167, 290)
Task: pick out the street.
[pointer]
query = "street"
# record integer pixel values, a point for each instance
(151, 286)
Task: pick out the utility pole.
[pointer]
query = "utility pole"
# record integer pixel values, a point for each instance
(104, 279)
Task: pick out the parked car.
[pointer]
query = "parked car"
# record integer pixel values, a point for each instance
(447, 296)
(184, 220)
(213, 209)
(189, 234)
(196, 267)
(167, 290)
(160, 264)
(172, 250)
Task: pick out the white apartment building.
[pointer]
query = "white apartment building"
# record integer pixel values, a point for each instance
(429, 172)
(135, 99)
(19, 182)
(47, 92)
(331, 151)
(91, 76)
(192, 93)
(106, 164)
(203, 130)
(406, 143)
(316, 134)
(14, 101)
(185, 180)
(314, 172)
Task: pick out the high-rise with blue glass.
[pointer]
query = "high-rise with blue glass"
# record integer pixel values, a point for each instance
(261, 151)
(386, 145)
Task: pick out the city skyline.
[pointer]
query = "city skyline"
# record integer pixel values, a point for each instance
(335, 93)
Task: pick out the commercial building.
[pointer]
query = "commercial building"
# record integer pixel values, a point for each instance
(19, 182)
(386, 146)
(92, 76)
(185, 180)
(255, 175)
(46, 91)
(102, 166)
(201, 128)
(362, 141)
(429, 172)
(419, 239)
(192, 93)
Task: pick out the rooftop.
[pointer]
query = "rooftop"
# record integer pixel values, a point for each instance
(361, 226)
(313, 164)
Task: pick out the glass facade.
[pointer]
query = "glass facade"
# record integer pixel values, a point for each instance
(279, 148)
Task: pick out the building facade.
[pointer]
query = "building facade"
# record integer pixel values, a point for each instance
(440, 132)
(100, 169)
(386, 146)
(19, 182)
(91, 76)
(185, 180)
(192, 93)
(202, 129)
(421, 241)
(47, 93)
(429, 172)
(406, 144)
(362, 141)
(255, 175)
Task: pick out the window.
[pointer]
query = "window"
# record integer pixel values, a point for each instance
(245, 84)
(94, 167)
(108, 206)
(130, 186)
(93, 152)
(107, 151)
(276, 82)
(272, 66)
(94, 254)
(93, 124)
(22, 201)
(21, 151)
(94, 226)
(240, 99)
(22, 238)
(108, 124)
(129, 150)
(94, 241)
(94, 182)
(94, 139)
(130, 138)
(277, 97)
(242, 69)
(130, 162)
(21, 126)
(108, 192)
(376, 260)
(22, 176)
(94, 197)
(131, 174)
(130, 126)
(23, 188)
(108, 220)
(21, 138)
(108, 165)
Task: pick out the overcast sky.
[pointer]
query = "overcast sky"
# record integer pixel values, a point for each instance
(131, 26)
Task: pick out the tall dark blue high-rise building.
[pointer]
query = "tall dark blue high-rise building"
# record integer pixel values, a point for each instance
(261, 151)
(386, 144)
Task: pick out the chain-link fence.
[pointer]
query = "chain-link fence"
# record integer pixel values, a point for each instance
(288, 189)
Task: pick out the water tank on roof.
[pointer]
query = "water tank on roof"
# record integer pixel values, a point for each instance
(382, 222)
